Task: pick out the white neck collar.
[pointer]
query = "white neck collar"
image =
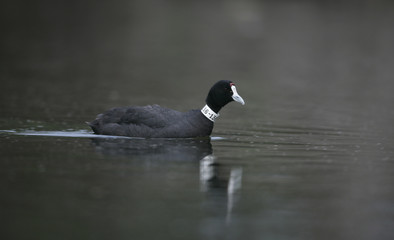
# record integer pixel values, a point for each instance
(209, 113)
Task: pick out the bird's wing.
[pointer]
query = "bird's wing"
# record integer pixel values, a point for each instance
(152, 116)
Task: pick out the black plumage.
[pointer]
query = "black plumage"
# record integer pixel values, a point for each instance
(154, 121)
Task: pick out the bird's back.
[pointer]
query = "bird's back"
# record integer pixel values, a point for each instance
(151, 121)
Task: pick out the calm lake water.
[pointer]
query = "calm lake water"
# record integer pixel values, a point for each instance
(310, 155)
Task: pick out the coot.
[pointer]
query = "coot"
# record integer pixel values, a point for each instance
(154, 121)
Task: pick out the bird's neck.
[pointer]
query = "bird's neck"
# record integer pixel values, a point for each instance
(211, 102)
(214, 108)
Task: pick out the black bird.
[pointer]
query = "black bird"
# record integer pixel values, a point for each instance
(153, 121)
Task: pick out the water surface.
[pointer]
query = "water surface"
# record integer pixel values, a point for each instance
(310, 155)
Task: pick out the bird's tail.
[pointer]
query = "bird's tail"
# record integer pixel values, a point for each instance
(94, 125)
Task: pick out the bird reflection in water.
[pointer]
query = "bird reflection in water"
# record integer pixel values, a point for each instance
(221, 182)
(155, 148)
(213, 177)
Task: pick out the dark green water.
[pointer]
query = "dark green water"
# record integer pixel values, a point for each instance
(310, 155)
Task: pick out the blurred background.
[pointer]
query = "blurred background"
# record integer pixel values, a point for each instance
(59, 57)
(314, 75)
